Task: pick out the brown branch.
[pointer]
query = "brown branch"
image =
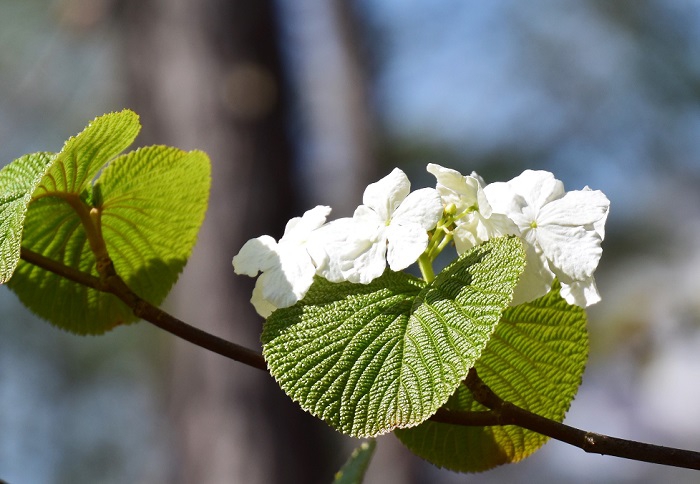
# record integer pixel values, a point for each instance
(500, 413)
(111, 283)
(62, 270)
(505, 413)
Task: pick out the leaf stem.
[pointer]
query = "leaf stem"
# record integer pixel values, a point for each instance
(443, 243)
(439, 238)
(426, 267)
(89, 218)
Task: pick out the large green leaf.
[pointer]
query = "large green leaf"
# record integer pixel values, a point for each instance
(153, 203)
(371, 358)
(18, 181)
(535, 360)
(147, 205)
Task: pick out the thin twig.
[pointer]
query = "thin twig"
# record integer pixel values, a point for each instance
(62, 270)
(505, 413)
(485, 418)
(110, 282)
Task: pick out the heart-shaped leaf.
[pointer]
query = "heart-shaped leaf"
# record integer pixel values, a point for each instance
(535, 360)
(371, 358)
(145, 210)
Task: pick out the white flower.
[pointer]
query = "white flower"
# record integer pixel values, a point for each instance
(562, 234)
(287, 267)
(476, 222)
(329, 248)
(392, 225)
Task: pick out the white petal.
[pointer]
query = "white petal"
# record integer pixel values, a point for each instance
(348, 250)
(447, 177)
(476, 229)
(298, 269)
(478, 178)
(574, 251)
(299, 228)
(566, 231)
(368, 217)
(464, 238)
(261, 305)
(580, 293)
(365, 260)
(469, 232)
(500, 224)
(443, 174)
(405, 244)
(259, 254)
(536, 280)
(385, 195)
(276, 288)
(329, 245)
(537, 187)
(483, 202)
(288, 283)
(577, 207)
(599, 226)
(503, 199)
(422, 207)
(450, 183)
(455, 188)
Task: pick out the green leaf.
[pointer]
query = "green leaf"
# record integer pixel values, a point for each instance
(84, 155)
(353, 471)
(371, 358)
(154, 201)
(146, 205)
(17, 183)
(535, 360)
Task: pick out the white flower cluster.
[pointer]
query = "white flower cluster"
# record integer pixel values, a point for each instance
(391, 225)
(561, 231)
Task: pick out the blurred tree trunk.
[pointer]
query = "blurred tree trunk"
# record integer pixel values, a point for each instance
(206, 74)
(322, 42)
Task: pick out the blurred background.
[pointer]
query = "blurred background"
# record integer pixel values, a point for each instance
(304, 102)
